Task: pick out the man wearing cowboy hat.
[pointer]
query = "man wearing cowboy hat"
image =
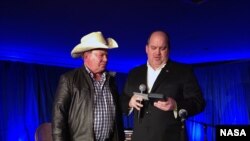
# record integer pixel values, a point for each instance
(86, 106)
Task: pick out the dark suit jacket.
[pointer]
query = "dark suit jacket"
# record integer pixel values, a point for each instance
(175, 80)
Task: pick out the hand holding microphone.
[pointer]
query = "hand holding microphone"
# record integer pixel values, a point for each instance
(142, 88)
(135, 101)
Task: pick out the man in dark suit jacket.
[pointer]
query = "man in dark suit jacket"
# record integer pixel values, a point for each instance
(158, 120)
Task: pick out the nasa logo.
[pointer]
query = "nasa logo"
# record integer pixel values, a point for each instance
(232, 131)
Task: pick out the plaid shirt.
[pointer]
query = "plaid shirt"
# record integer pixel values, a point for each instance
(104, 108)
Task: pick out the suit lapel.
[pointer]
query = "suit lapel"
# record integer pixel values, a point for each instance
(162, 76)
(143, 79)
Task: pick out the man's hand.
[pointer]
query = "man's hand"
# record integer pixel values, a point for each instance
(135, 102)
(167, 105)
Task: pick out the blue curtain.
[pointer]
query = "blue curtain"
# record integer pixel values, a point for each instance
(226, 88)
(26, 96)
(27, 92)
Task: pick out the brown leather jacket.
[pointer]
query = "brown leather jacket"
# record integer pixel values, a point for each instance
(72, 116)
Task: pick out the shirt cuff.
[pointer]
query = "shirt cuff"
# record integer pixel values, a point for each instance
(175, 111)
(130, 111)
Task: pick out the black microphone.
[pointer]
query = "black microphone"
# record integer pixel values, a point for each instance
(183, 114)
(142, 88)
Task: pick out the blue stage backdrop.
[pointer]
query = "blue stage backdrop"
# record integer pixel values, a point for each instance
(27, 92)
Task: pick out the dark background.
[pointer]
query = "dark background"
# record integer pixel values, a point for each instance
(45, 31)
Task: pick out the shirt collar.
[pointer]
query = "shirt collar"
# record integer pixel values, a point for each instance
(92, 75)
(159, 68)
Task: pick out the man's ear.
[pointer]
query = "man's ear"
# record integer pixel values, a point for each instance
(146, 49)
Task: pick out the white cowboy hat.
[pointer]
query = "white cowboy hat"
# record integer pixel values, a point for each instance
(91, 41)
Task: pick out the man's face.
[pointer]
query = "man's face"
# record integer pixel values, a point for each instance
(157, 50)
(96, 60)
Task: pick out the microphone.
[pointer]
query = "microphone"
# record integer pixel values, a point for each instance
(142, 88)
(183, 114)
